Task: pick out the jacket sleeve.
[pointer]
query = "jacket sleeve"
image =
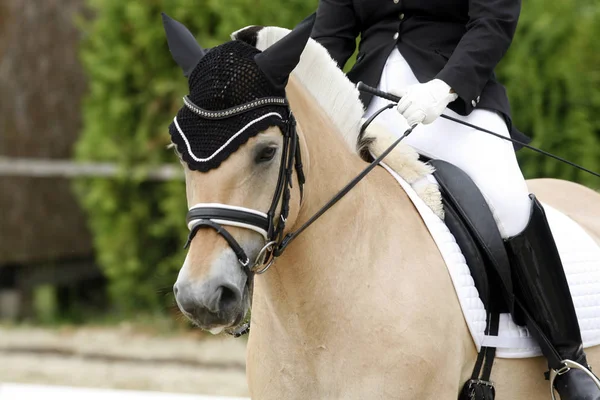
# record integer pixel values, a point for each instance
(336, 28)
(490, 30)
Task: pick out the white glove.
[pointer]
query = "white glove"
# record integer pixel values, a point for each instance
(424, 102)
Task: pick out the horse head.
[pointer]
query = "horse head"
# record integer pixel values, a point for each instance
(236, 140)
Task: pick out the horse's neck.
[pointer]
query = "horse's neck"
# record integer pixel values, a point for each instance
(361, 287)
(321, 271)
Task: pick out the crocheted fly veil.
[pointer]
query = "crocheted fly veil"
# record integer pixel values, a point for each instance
(226, 79)
(235, 92)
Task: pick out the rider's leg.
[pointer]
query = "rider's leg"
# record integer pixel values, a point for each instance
(540, 283)
(491, 163)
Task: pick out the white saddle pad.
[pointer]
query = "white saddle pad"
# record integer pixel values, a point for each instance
(581, 259)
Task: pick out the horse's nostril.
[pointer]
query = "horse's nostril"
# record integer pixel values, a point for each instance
(224, 299)
(229, 298)
(175, 289)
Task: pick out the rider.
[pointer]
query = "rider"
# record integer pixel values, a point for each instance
(440, 56)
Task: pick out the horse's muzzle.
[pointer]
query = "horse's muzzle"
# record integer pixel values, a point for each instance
(214, 303)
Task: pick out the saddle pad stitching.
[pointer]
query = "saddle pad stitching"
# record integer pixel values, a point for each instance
(581, 256)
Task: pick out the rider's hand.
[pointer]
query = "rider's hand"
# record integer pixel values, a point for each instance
(424, 102)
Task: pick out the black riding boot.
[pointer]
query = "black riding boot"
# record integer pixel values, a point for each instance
(541, 286)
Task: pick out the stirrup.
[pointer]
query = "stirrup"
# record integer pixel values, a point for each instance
(568, 366)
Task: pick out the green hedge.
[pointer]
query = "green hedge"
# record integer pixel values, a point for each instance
(552, 74)
(135, 89)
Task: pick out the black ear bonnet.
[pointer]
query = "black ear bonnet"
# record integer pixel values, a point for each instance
(226, 77)
(235, 92)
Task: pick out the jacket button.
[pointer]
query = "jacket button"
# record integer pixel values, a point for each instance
(401, 16)
(478, 98)
(396, 36)
(473, 103)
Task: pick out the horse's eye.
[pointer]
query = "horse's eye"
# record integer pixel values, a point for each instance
(266, 154)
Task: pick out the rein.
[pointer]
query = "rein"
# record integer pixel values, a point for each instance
(216, 216)
(275, 244)
(388, 96)
(362, 87)
(292, 235)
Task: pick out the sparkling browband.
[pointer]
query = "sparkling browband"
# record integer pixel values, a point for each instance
(266, 101)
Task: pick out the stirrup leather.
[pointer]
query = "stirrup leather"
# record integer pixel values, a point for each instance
(569, 364)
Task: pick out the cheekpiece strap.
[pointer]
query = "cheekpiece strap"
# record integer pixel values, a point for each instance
(230, 112)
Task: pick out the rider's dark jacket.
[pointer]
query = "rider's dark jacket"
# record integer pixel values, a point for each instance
(457, 41)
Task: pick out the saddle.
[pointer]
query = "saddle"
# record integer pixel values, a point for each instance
(482, 265)
(470, 220)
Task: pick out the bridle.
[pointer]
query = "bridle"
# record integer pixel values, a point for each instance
(271, 228)
(215, 216)
(269, 225)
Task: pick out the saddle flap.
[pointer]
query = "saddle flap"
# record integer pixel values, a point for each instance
(470, 249)
(461, 193)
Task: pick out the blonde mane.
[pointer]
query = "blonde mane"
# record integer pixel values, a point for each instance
(337, 96)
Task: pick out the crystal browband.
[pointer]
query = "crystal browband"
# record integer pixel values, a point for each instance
(229, 112)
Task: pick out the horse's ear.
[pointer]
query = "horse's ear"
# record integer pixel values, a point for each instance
(278, 61)
(183, 46)
(248, 34)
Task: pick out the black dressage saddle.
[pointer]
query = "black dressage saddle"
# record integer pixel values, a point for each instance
(470, 220)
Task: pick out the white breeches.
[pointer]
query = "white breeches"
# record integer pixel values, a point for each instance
(489, 161)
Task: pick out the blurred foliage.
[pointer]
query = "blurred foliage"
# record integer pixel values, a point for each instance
(135, 89)
(552, 73)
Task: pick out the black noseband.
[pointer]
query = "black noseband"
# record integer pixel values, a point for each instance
(235, 246)
(216, 215)
(267, 224)
(229, 215)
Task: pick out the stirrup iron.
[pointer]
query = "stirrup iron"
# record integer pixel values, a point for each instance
(569, 364)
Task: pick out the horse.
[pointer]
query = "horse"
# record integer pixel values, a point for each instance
(360, 305)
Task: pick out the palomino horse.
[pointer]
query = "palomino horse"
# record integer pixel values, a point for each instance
(360, 305)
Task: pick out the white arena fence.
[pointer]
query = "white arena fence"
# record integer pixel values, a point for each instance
(51, 168)
(14, 391)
